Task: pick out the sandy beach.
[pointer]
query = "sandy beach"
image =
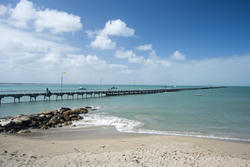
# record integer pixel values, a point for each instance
(105, 147)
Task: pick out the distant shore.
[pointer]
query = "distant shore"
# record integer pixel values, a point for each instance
(104, 146)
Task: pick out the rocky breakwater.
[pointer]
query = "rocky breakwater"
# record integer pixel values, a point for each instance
(43, 120)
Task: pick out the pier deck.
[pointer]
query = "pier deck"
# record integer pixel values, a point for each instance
(93, 93)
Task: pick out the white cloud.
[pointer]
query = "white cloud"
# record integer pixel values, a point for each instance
(103, 42)
(91, 34)
(130, 55)
(177, 55)
(25, 15)
(14, 41)
(232, 70)
(52, 58)
(144, 47)
(57, 21)
(23, 56)
(118, 66)
(112, 28)
(3, 10)
(31, 56)
(153, 60)
(158, 62)
(117, 28)
(22, 13)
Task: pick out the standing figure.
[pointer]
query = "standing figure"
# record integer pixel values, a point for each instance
(48, 93)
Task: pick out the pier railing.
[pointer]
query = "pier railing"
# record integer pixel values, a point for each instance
(59, 95)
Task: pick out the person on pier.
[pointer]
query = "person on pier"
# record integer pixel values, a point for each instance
(48, 93)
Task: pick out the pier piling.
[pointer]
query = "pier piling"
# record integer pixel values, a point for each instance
(95, 93)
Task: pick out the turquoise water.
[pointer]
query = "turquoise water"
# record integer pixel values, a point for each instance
(220, 113)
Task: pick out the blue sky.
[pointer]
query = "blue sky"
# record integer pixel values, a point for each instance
(123, 42)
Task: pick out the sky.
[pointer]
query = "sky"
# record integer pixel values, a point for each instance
(159, 42)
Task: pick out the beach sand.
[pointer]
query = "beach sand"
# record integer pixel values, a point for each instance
(105, 147)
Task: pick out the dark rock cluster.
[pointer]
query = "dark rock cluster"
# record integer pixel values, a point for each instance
(43, 120)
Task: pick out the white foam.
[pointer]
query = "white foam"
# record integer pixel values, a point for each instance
(121, 124)
(95, 107)
(96, 119)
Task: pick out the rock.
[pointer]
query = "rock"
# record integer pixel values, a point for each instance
(54, 112)
(81, 110)
(44, 127)
(73, 112)
(54, 120)
(72, 116)
(23, 131)
(48, 116)
(76, 118)
(35, 117)
(67, 123)
(19, 115)
(44, 120)
(63, 109)
(34, 124)
(66, 117)
(6, 123)
(46, 112)
(11, 131)
(1, 129)
(90, 108)
(42, 116)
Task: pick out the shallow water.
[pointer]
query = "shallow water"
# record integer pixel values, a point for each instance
(219, 113)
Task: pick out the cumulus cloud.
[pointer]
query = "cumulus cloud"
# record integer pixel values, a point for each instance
(25, 15)
(117, 28)
(144, 47)
(103, 42)
(24, 52)
(112, 28)
(178, 56)
(30, 53)
(151, 61)
(130, 55)
(22, 14)
(57, 22)
(3, 10)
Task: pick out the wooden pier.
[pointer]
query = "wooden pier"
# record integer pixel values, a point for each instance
(93, 93)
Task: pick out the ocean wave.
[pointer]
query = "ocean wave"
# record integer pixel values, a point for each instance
(131, 126)
(121, 124)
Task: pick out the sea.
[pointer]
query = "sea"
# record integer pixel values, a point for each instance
(222, 114)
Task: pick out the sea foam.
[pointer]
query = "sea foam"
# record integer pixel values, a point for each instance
(99, 119)
(96, 119)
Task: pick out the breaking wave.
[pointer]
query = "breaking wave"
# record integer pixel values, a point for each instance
(97, 119)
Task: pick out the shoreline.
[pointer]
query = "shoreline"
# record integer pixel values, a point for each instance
(104, 146)
(107, 131)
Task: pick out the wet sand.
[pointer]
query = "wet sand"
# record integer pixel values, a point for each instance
(106, 147)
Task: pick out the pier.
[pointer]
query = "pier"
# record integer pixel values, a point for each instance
(92, 93)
